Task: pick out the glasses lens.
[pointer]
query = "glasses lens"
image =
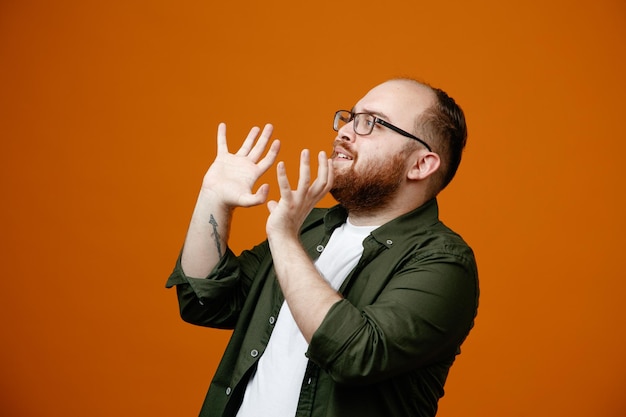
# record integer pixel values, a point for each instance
(363, 123)
(342, 117)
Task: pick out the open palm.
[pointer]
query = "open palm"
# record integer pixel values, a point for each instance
(232, 176)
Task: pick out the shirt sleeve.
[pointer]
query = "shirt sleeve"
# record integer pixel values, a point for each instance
(217, 300)
(421, 317)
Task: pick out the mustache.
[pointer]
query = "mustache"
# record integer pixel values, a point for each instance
(344, 145)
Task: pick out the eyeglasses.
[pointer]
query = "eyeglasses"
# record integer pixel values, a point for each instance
(363, 124)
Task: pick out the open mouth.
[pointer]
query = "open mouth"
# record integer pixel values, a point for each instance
(340, 155)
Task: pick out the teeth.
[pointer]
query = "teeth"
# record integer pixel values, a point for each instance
(342, 156)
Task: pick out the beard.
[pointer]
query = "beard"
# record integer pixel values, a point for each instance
(373, 188)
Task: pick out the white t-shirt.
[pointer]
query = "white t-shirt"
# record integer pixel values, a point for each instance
(274, 389)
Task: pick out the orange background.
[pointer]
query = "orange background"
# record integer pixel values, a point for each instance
(108, 114)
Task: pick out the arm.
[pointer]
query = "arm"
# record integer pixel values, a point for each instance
(414, 318)
(308, 295)
(217, 300)
(420, 318)
(227, 184)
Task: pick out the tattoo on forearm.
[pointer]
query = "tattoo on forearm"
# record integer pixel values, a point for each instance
(216, 235)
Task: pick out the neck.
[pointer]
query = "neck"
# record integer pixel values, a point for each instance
(402, 202)
(377, 217)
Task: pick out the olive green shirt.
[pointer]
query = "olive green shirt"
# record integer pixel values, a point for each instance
(382, 351)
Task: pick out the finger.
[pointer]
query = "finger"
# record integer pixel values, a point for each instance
(322, 168)
(255, 199)
(247, 144)
(331, 175)
(323, 171)
(283, 181)
(261, 194)
(222, 145)
(261, 143)
(270, 157)
(305, 171)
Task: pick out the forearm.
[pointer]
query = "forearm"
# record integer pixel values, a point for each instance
(207, 236)
(307, 293)
(413, 316)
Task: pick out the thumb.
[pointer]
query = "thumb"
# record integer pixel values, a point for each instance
(257, 198)
(262, 192)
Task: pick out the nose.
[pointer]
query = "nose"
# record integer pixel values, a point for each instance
(346, 132)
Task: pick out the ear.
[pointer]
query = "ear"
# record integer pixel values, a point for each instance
(425, 164)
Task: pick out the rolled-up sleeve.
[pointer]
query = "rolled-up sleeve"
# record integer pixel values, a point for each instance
(215, 301)
(421, 316)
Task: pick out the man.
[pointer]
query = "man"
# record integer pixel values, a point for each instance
(357, 310)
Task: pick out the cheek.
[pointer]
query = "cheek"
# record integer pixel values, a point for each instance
(371, 156)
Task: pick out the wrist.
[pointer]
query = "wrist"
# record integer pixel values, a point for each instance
(210, 198)
(282, 236)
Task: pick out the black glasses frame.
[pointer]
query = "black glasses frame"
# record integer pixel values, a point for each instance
(381, 122)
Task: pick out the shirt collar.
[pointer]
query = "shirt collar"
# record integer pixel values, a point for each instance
(406, 225)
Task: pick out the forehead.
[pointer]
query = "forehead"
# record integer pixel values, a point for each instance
(397, 100)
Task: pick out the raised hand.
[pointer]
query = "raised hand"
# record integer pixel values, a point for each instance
(288, 214)
(227, 184)
(232, 176)
(308, 294)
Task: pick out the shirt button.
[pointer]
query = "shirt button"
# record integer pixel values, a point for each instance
(254, 353)
(389, 242)
(228, 390)
(200, 301)
(320, 248)
(272, 320)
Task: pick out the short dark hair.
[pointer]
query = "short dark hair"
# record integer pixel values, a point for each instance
(443, 126)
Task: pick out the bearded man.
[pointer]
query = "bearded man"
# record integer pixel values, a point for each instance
(356, 310)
